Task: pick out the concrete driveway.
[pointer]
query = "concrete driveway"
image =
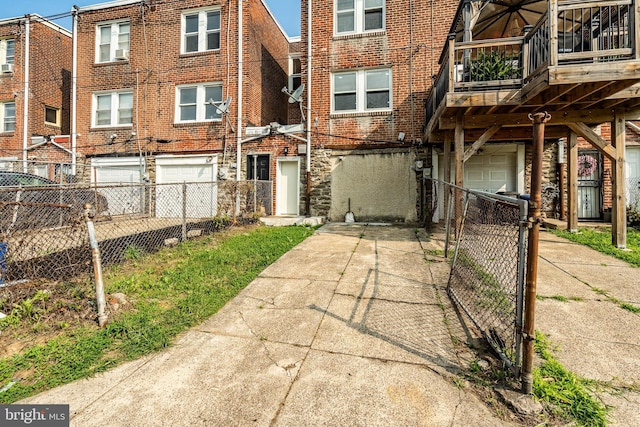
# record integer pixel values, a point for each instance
(350, 328)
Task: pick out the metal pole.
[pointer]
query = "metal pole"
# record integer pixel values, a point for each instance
(97, 266)
(538, 119)
(184, 211)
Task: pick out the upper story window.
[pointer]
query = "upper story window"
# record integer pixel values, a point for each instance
(362, 90)
(113, 108)
(7, 51)
(200, 31)
(8, 113)
(295, 73)
(198, 103)
(359, 16)
(112, 41)
(52, 116)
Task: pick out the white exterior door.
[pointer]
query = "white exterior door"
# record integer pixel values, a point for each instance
(198, 174)
(632, 173)
(119, 181)
(288, 187)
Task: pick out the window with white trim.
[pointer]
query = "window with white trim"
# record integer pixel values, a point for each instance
(7, 51)
(295, 72)
(8, 112)
(113, 108)
(52, 115)
(198, 103)
(200, 31)
(361, 90)
(112, 38)
(359, 16)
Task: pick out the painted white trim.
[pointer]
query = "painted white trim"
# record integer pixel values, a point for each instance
(98, 162)
(108, 5)
(520, 169)
(34, 17)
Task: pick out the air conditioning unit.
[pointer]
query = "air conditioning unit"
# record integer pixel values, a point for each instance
(6, 68)
(122, 54)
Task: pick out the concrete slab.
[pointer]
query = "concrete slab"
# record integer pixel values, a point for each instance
(312, 265)
(199, 381)
(624, 407)
(553, 281)
(388, 330)
(597, 339)
(347, 390)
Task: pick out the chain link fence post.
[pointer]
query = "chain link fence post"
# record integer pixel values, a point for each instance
(101, 300)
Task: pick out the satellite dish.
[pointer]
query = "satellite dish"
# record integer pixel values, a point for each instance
(295, 96)
(224, 107)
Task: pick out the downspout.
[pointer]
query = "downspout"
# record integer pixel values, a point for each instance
(239, 126)
(25, 112)
(74, 88)
(308, 168)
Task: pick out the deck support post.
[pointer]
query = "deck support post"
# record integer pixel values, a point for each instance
(459, 150)
(618, 199)
(572, 178)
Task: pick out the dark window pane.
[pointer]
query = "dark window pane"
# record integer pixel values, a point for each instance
(51, 115)
(377, 100)
(373, 20)
(213, 41)
(191, 23)
(213, 21)
(191, 44)
(345, 101)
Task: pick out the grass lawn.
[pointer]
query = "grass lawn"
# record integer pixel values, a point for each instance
(167, 292)
(600, 240)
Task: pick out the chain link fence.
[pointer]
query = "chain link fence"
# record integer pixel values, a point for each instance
(44, 234)
(487, 276)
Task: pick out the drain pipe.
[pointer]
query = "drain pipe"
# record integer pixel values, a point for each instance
(239, 126)
(535, 203)
(25, 111)
(74, 88)
(307, 207)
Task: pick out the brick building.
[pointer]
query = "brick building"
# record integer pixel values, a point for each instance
(162, 93)
(35, 77)
(371, 68)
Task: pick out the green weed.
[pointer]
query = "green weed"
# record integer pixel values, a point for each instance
(167, 299)
(566, 392)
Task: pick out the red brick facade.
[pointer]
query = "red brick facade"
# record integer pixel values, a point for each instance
(156, 67)
(413, 35)
(49, 78)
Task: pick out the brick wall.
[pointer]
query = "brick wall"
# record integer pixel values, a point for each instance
(155, 67)
(411, 53)
(49, 81)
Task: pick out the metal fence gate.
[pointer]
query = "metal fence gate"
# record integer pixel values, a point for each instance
(487, 278)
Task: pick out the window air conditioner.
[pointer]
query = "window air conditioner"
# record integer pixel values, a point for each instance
(122, 53)
(7, 68)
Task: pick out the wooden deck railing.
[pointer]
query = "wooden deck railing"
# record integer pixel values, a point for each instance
(570, 32)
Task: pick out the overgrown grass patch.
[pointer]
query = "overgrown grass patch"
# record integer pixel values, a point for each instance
(600, 240)
(169, 292)
(567, 393)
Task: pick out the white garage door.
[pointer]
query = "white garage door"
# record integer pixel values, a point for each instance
(119, 181)
(196, 174)
(492, 171)
(633, 175)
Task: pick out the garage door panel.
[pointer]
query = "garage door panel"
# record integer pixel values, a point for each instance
(198, 176)
(122, 198)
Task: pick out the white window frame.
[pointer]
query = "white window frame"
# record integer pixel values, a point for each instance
(4, 57)
(114, 39)
(5, 120)
(361, 91)
(358, 13)
(292, 73)
(202, 29)
(114, 108)
(200, 104)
